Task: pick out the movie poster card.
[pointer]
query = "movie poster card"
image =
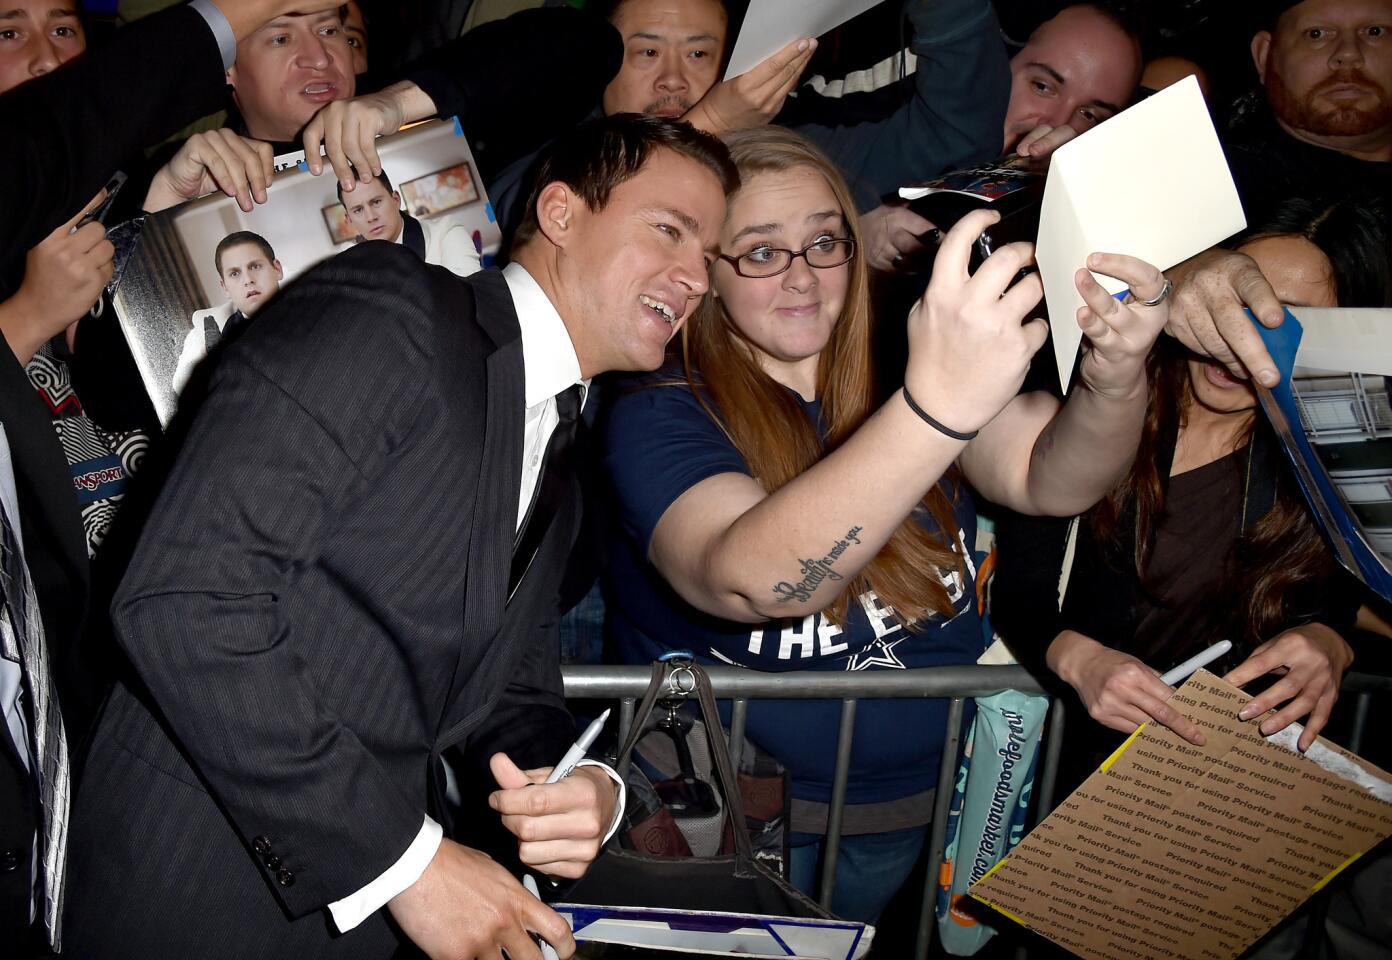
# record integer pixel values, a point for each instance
(178, 296)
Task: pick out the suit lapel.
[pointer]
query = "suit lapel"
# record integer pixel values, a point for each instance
(500, 473)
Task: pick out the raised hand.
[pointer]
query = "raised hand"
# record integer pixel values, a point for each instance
(1120, 334)
(465, 906)
(1312, 659)
(1208, 315)
(559, 826)
(63, 276)
(348, 130)
(753, 98)
(1119, 691)
(968, 349)
(214, 160)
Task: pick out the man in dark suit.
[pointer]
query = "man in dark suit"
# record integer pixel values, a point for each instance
(72, 126)
(354, 566)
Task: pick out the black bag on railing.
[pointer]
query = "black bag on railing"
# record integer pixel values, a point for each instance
(734, 882)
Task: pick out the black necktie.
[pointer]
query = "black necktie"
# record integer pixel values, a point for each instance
(22, 641)
(556, 468)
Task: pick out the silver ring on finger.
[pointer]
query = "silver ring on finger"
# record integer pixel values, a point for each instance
(1158, 299)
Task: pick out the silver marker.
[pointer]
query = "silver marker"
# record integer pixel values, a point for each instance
(1202, 659)
(577, 751)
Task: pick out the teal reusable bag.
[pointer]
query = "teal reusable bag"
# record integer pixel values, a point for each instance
(990, 802)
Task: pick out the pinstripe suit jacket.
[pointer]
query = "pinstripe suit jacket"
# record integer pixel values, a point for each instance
(317, 607)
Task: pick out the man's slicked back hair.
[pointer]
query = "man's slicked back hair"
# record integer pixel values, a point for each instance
(236, 240)
(599, 155)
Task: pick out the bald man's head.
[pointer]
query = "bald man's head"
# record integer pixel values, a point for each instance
(1078, 68)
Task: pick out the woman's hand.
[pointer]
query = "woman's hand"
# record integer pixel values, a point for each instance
(968, 348)
(1120, 334)
(1313, 659)
(1118, 690)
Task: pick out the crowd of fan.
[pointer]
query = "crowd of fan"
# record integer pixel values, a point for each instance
(230, 703)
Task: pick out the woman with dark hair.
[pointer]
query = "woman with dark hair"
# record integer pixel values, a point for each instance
(774, 519)
(1207, 538)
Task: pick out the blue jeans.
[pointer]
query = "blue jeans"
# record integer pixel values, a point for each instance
(870, 869)
(582, 630)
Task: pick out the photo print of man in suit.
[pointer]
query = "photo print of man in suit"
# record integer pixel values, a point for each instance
(374, 212)
(355, 564)
(250, 275)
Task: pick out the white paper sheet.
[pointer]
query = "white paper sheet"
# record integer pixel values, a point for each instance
(1345, 339)
(1151, 182)
(714, 933)
(770, 25)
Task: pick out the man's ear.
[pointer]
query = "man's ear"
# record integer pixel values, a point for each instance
(556, 206)
(1261, 49)
(396, 199)
(280, 271)
(223, 285)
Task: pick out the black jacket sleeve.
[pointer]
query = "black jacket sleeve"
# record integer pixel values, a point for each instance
(1024, 593)
(73, 128)
(508, 103)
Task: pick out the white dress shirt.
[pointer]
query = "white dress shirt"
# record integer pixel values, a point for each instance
(549, 366)
(448, 244)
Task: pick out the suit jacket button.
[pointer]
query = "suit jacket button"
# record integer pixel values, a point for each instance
(273, 862)
(285, 878)
(9, 861)
(261, 845)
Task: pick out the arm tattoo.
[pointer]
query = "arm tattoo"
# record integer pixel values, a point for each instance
(815, 570)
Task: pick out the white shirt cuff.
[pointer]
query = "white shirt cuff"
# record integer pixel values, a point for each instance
(222, 30)
(623, 795)
(357, 907)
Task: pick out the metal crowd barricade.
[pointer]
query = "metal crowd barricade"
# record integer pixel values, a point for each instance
(956, 684)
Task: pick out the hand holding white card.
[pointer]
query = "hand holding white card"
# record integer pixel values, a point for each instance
(770, 25)
(1151, 182)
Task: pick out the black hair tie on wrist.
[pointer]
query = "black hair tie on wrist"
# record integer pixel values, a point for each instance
(923, 415)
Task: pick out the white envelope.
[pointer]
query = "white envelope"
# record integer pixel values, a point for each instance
(770, 25)
(1345, 339)
(1151, 182)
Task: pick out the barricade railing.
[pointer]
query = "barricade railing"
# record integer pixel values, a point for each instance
(956, 684)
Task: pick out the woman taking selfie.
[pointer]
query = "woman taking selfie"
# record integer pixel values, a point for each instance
(772, 518)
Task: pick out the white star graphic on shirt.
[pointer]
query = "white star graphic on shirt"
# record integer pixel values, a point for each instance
(879, 654)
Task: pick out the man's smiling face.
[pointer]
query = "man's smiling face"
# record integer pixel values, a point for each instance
(637, 267)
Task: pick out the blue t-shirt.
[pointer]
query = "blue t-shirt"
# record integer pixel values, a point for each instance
(658, 443)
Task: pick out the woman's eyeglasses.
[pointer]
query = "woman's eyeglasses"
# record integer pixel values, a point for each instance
(764, 262)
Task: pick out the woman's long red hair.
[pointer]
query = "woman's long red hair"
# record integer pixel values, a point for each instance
(765, 422)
